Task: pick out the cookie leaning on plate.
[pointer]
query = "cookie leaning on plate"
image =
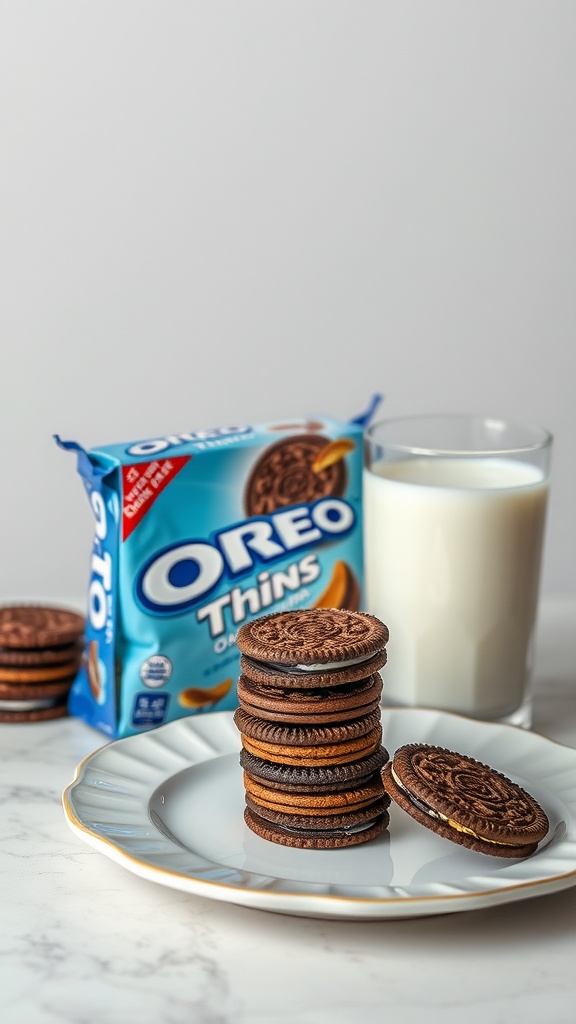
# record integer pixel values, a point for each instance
(465, 801)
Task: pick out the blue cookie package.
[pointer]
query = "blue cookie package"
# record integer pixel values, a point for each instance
(195, 534)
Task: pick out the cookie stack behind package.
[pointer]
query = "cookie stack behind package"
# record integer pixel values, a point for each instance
(309, 717)
(40, 654)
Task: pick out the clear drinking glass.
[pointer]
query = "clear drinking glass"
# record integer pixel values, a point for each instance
(454, 516)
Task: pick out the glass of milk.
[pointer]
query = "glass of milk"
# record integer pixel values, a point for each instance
(454, 513)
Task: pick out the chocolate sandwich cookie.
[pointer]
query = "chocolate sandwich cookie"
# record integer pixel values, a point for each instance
(326, 704)
(30, 712)
(321, 736)
(315, 804)
(26, 657)
(289, 472)
(315, 778)
(313, 639)
(465, 801)
(28, 701)
(340, 818)
(310, 678)
(25, 699)
(341, 832)
(313, 754)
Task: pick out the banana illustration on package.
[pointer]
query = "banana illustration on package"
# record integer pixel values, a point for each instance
(343, 590)
(195, 697)
(332, 453)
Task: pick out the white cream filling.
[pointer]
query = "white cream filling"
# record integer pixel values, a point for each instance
(26, 705)
(326, 667)
(417, 803)
(348, 829)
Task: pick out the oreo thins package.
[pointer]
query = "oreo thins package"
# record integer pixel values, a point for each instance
(195, 534)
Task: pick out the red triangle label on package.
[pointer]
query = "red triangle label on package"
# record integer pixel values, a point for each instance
(141, 485)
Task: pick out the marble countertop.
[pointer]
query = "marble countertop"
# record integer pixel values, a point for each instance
(82, 939)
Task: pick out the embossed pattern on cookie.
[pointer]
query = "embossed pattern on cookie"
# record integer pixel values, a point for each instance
(284, 475)
(312, 636)
(464, 800)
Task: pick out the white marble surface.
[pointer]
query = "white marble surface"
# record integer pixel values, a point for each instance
(81, 939)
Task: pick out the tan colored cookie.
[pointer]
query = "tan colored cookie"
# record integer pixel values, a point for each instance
(39, 673)
(335, 753)
(339, 819)
(313, 803)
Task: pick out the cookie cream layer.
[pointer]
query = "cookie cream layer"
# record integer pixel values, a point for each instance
(327, 666)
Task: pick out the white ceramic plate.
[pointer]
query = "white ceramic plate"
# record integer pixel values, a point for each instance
(168, 806)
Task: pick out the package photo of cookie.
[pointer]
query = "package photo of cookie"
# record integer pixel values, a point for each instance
(297, 469)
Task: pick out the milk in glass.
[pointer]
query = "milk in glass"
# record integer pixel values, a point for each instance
(453, 549)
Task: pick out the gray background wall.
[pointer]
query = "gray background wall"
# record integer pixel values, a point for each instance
(220, 211)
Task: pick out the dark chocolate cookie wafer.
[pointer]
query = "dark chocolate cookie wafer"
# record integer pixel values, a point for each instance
(25, 626)
(287, 474)
(307, 838)
(465, 801)
(329, 704)
(314, 778)
(22, 701)
(313, 637)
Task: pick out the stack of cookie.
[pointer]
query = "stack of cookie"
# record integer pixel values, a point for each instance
(309, 717)
(40, 654)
